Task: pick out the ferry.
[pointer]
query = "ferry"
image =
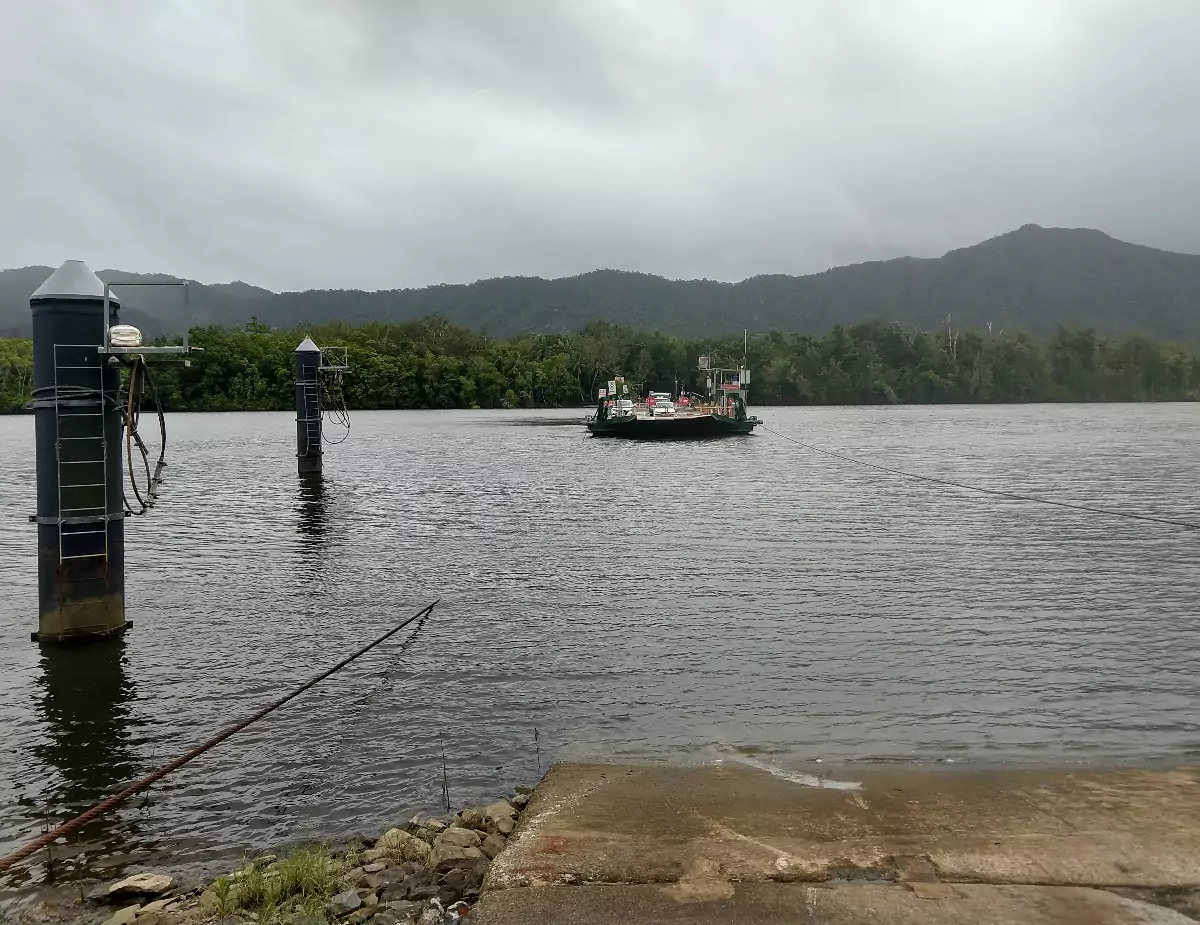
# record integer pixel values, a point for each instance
(721, 412)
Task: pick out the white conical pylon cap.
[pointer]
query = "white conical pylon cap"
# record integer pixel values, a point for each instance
(73, 280)
(307, 346)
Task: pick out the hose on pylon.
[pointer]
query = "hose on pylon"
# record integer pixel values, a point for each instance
(139, 381)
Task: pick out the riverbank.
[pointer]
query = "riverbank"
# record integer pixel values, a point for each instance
(429, 364)
(425, 871)
(607, 844)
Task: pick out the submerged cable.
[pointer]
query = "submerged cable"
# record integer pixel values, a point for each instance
(997, 492)
(117, 798)
(401, 649)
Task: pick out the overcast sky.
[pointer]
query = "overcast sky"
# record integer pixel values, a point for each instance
(382, 144)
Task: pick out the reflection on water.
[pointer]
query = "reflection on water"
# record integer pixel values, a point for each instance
(312, 508)
(86, 698)
(88, 746)
(624, 600)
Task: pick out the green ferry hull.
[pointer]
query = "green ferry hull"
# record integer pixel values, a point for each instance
(699, 427)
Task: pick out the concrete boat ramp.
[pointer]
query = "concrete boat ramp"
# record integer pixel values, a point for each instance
(731, 843)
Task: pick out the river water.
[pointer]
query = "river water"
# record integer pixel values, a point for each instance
(735, 600)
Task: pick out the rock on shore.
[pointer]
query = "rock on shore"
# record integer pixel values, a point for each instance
(427, 871)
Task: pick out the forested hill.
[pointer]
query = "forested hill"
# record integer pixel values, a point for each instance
(1034, 279)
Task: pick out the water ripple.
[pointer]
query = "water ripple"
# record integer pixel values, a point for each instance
(623, 599)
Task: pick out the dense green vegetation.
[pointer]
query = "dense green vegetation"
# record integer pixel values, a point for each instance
(16, 372)
(433, 364)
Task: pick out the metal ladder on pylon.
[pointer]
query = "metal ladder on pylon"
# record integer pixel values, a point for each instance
(82, 459)
(310, 390)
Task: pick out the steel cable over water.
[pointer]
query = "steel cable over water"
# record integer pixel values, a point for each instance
(997, 492)
(116, 799)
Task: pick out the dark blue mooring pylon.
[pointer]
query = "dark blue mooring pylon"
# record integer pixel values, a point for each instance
(81, 413)
(319, 393)
(77, 422)
(308, 407)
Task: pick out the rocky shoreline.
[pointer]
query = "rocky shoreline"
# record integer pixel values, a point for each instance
(427, 871)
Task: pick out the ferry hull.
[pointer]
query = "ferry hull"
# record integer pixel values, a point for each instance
(697, 427)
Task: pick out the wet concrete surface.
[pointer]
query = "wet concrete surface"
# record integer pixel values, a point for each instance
(742, 844)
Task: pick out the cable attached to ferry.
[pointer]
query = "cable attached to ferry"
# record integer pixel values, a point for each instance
(997, 492)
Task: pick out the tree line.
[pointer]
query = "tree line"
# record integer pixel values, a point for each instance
(430, 363)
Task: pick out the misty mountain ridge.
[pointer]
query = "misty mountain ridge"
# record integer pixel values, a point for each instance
(1033, 278)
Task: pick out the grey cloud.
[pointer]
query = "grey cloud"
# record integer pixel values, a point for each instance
(380, 144)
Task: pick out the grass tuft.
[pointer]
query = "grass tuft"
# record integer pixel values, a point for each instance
(300, 884)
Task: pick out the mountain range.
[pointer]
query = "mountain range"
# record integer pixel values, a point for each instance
(1032, 278)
